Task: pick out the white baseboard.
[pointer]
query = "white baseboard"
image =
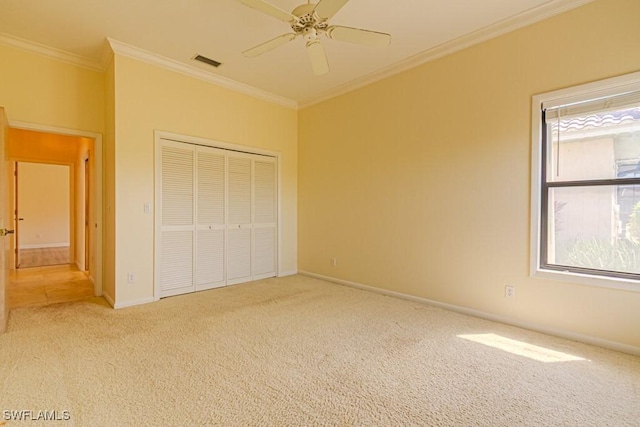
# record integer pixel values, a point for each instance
(287, 273)
(109, 299)
(45, 245)
(133, 303)
(562, 333)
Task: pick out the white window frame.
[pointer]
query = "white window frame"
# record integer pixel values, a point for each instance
(602, 88)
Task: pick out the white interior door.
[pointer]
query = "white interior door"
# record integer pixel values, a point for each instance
(239, 225)
(177, 219)
(211, 229)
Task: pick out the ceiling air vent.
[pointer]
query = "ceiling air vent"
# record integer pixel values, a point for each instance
(208, 61)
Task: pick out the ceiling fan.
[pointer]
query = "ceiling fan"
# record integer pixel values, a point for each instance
(309, 21)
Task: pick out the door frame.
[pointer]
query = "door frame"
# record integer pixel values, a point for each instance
(97, 183)
(87, 211)
(175, 137)
(4, 215)
(16, 217)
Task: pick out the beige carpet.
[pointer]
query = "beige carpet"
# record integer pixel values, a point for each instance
(297, 351)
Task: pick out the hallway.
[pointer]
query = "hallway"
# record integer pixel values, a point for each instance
(38, 286)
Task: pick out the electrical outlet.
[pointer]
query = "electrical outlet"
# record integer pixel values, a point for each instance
(334, 262)
(510, 292)
(131, 277)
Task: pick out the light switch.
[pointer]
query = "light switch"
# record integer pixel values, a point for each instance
(147, 208)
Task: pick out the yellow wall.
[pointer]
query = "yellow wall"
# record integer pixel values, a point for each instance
(42, 90)
(109, 233)
(148, 98)
(420, 183)
(44, 202)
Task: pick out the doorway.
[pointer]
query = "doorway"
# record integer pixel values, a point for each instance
(42, 214)
(81, 154)
(37, 144)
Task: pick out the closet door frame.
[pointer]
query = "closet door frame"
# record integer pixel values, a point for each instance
(159, 138)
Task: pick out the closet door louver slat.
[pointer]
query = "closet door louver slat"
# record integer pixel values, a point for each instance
(177, 186)
(210, 187)
(264, 252)
(239, 190)
(177, 255)
(239, 256)
(264, 224)
(177, 227)
(239, 219)
(210, 260)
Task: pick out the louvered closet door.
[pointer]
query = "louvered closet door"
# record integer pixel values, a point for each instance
(176, 235)
(264, 222)
(239, 244)
(210, 234)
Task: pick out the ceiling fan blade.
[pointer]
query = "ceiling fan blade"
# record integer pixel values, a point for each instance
(267, 46)
(358, 36)
(318, 57)
(270, 9)
(325, 9)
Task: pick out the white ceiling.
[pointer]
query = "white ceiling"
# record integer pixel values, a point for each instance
(222, 29)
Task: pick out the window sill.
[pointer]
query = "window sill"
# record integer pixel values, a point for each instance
(588, 280)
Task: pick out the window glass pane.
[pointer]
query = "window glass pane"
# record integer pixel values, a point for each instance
(594, 146)
(595, 227)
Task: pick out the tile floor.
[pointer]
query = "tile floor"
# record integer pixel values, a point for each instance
(38, 257)
(29, 287)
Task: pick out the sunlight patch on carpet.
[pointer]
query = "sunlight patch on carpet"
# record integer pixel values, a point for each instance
(520, 348)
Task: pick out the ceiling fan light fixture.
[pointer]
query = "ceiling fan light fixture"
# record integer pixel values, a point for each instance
(310, 34)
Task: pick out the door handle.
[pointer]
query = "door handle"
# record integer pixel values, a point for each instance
(20, 219)
(4, 232)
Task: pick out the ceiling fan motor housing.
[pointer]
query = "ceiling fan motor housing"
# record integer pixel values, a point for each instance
(307, 21)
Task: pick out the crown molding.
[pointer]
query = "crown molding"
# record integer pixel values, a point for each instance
(107, 54)
(133, 52)
(48, 51)
(505, 26)
(111, 46)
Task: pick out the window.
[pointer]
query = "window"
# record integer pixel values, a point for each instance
(586, 183)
